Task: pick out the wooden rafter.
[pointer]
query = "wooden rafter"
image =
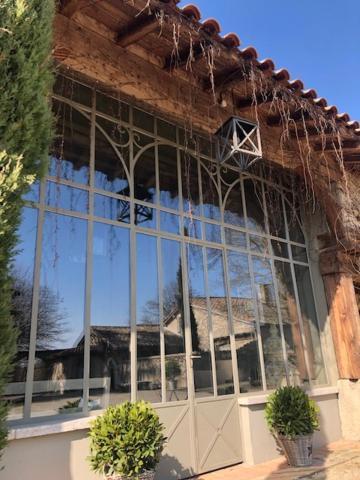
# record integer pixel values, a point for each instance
(137, 29)
(226, 78)
(354, 153)
(331, 142)
(295, 115)
(191, 53)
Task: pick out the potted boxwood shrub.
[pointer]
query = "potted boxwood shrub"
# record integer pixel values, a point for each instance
(126, 442)
(292, 418)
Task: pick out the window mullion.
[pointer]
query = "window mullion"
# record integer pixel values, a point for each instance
(35, 303)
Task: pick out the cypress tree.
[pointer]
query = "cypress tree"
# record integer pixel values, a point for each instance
(25, 134)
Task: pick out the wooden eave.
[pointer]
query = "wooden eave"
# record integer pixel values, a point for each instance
(117, 44)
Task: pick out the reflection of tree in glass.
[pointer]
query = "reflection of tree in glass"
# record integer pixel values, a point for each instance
(274, 362)
(51, 324)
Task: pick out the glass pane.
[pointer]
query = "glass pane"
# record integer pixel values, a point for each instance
(109, 166)
(67, 198)
(275, 211)
(168, 179)
(244, 322)
(144, 176)
(166, 130)
(311, 327)
(140, 140)
(71, 151)
(269, 324)
(59, 357)
(119, 136)
(299, 254)
(169, 223)
(22, 271)
(213, 233)
(173, 318)
(110, 317)
(112, 107)
(145, 216)
(143, 120)
(291, 327)
(72, 90)
(192, 228)
(292, 215)
(219, 319)
(199, 323)
(235, 238)
(259, 244)
(190, 184)
(206, 146)
(254, 206)
(147, 320)
(33, 195)
(111, 208)
(233, 210)
(280, 249)
(210, 193)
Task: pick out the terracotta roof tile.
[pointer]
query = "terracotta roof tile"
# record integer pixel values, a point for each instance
(267, 64)
(281, 74)
(344, 117)
(191, 11)
(211, 26)
(249, 53)
(231, 40)
(320, 102)
(296, 84)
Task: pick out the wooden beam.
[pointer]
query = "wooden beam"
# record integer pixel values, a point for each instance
(196, 51)
(70, 7)
(351, 152)
(137, 29)
(331, 142)
(226, 78)
(276, 118)
(344, 317)
(261, 99)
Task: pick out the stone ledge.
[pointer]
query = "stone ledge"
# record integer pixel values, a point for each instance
(48, 428)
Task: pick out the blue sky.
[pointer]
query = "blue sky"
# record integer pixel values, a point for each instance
(316, 40)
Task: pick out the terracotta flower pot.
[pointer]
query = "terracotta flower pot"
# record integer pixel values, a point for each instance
(298, 450)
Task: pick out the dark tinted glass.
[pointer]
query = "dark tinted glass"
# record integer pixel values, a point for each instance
(70, 155)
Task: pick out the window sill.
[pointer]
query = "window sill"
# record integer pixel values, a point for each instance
(48, 427)
(261, 399)
(51, 427)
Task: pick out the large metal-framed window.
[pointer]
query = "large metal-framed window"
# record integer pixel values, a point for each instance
(198, 254)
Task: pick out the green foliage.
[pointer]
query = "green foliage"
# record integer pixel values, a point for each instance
(25, 132)
(172, 369)
(126, 440)
(290, 412)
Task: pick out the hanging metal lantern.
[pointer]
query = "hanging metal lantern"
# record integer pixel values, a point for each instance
(239, 140)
